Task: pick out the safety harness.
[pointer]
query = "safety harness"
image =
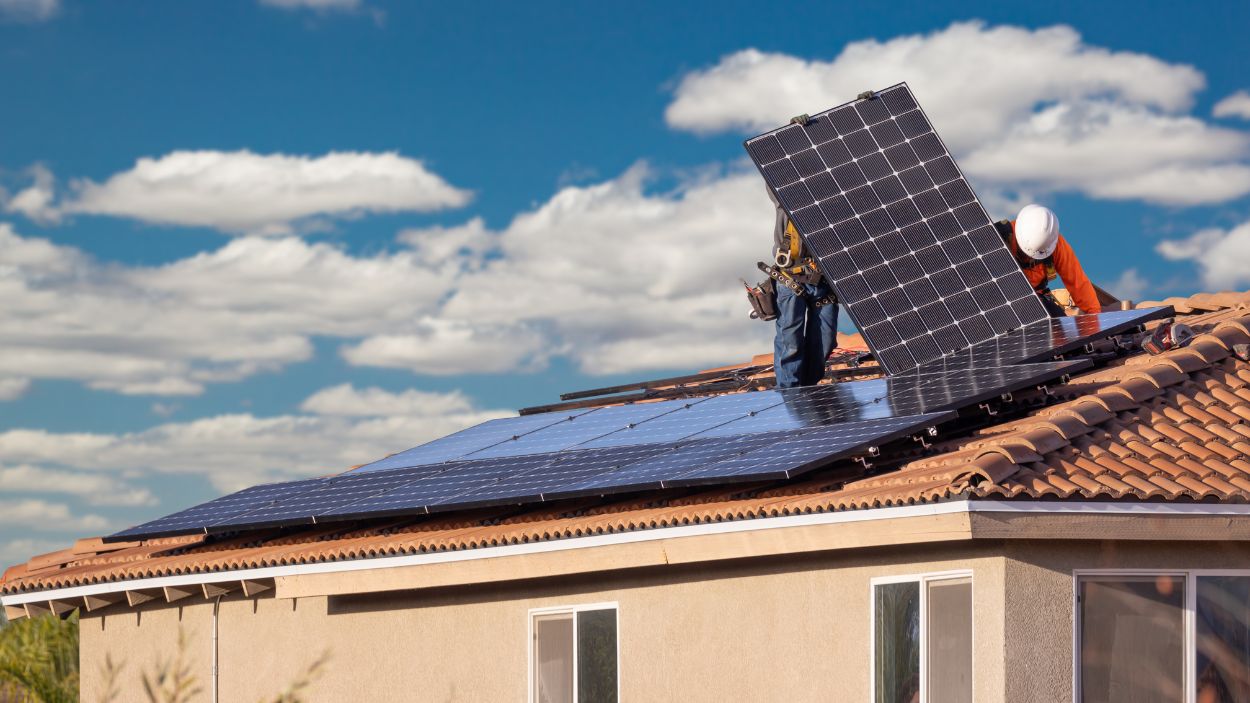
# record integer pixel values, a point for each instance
(791, 268)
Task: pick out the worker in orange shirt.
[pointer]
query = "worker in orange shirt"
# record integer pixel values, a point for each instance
(1043, 254)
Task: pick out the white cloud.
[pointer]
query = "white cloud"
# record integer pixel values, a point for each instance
(19, 551)
(94, 489)
(608, 275)
(242, 192)
(13, 388)
(346, 400)
(317, 5)
(1131, 285)
(36, 200)
(1220, 255)
(250, 306)
(1235, 105)
(29, 10)
(1023, 110)
(341, 427)
(40, 515)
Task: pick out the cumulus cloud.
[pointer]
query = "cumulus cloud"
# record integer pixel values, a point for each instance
(241, 192)
(248, 307)
(44, 516)
(36, 200)
(1045, 112)
(13, 388)
(29, 10)
(1131, 285)
(1220, 255)
(18, 551)
(340, 427)
(609, 275)
(317, 5)
(1235, 105)
(94, 489)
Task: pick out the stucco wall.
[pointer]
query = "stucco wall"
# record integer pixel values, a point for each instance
(1038, 616)
(777, 629)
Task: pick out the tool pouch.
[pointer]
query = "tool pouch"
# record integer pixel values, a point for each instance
(763, 300)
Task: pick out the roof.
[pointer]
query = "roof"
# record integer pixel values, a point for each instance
(1168, 428)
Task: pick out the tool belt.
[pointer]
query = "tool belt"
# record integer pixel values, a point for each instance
(763, 297)
(763, 300)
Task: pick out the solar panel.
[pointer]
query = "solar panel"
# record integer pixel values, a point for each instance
(896, 229)
(740, 437)
(196, 518)
(475, 438)
(1047, 338)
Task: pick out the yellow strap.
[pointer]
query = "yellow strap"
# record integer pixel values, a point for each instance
(796, 243)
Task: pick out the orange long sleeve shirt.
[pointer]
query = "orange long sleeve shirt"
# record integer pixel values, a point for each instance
(1069, 269)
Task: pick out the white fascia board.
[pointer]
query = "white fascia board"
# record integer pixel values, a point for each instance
(645, 535)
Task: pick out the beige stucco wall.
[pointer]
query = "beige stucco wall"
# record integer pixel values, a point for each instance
(769, 629)
(1038, 617)
(776, 629)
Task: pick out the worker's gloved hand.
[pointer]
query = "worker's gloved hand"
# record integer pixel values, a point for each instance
(800, 119)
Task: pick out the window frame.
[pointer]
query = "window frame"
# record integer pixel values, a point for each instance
(923, 579)
(1190, 620)
(573, 610)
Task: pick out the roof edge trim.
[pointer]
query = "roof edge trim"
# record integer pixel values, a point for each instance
(661, 533)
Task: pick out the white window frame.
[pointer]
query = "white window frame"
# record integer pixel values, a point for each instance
(923, 579)
(1190, 618)
(569, 610)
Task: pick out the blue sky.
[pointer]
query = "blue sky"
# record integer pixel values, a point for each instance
(247, 241)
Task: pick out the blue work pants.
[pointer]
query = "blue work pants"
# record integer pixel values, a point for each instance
(806, 335)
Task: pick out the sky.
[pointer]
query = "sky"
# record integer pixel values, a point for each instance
(254, 240)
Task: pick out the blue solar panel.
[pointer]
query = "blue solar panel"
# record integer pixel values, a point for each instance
(740, 437)
(581, 428)
(896, 229)
(690, 418)
(457, 445)
(802, 451)
(199, 517)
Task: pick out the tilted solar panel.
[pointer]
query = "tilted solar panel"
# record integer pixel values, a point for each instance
(896, 229)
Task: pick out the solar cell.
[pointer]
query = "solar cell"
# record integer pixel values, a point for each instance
(475, 438)
(198, 517)
(581, 428)
(896, 229)
(1046, 339)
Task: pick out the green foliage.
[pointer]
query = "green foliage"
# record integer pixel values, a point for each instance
(39, 660)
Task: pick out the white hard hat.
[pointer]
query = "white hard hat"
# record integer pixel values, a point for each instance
(1037, 231)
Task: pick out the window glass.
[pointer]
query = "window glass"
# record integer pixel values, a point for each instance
(1132, 639)
(897, 632)
(596, 656)
(949, 641)
(553, 658)
(1223, 639)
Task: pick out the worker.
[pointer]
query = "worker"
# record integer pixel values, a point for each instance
(1043, 254)
(807, 311)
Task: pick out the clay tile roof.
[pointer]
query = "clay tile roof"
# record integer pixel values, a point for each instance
(1173, 427)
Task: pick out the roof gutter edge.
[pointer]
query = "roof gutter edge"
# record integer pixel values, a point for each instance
(637, 536)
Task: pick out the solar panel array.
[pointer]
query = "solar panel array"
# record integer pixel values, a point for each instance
(897, 230)
(913, 257)
(755, 436)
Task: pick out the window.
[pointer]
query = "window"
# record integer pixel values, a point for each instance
(922, 639)
(574, 655)
(1166, 636)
